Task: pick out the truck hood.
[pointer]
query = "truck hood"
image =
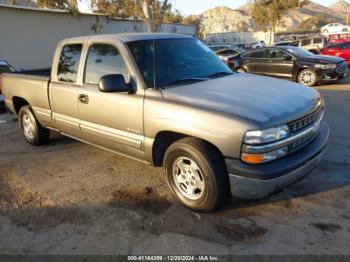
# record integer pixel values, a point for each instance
(265, 101)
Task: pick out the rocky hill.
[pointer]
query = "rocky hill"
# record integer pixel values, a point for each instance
(223, 19)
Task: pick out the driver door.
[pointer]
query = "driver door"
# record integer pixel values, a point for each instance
(111, 120)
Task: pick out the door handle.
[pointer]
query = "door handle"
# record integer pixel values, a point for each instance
(84, 99)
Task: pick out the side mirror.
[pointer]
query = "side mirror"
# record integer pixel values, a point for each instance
(113, 84)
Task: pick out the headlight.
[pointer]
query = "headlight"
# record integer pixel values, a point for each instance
(326, 66)
(266, 135)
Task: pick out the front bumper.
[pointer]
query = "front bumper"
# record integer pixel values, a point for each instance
(333, 74)
(258, 181)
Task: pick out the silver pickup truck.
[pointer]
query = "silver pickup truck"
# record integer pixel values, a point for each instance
(167, 100)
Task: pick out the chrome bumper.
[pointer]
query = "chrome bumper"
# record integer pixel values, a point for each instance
(249, 188)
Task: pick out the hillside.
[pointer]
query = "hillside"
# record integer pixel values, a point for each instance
(223, 19)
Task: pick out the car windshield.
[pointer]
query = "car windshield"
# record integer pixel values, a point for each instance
(5, 67)
(298, 52)
(167, 62)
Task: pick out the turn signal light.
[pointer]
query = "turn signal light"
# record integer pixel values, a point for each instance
(265, 157)
(253, 158)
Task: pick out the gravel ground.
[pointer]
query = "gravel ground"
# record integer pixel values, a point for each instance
(71, 198)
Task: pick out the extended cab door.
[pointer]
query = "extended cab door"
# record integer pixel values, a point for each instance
(111, 120)
(63, 91)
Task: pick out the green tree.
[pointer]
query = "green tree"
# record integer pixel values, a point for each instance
(314, 23)
(70, 5)
(267, 14)
(118, 8)
(155, 12)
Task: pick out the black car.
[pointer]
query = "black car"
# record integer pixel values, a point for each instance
(292, 63)
(4, 68)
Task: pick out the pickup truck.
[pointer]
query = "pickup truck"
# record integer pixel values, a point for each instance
(168, 100)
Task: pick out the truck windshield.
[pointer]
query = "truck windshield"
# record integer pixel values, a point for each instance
(170, 62)
(5, 67)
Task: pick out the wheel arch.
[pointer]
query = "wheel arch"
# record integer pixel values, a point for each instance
(164, 139)
(19, 102)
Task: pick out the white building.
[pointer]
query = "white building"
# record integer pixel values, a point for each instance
(29, 35)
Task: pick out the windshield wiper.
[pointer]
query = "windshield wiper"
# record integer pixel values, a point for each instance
(185, 81)
(220, 74)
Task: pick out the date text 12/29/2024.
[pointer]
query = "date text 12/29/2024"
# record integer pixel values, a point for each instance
(173, 258)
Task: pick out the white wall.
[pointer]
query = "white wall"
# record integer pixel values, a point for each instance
(29, 37)
(237, 37)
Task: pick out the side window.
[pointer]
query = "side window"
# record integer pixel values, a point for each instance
(305, 42)
(318, 40)
(277, 54)
(345, 45)
(255, 54)
(68, 63)
(103, 60)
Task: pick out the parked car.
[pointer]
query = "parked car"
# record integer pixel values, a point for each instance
(226, 55)
(335, 28)
(259, 44)
(287, 43)
(341, 50)
(338, 38)
(292, 63)
(216, 48)
(169, 101)
(313, 44)
(5, 67)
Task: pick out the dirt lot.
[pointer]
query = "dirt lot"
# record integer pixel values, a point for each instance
(72, 198)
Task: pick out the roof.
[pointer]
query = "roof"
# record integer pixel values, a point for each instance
(130, 37)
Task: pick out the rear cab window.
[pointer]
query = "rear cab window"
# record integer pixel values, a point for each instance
(68, 63)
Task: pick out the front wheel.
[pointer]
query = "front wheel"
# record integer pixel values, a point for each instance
(196, 174)
(32, 131)
(307, 77)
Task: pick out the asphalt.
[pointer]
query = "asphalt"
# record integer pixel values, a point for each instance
(71, 198)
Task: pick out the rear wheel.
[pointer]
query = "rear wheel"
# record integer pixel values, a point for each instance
(32, 131)
(196, 174)
(307, 77)
(345, 30)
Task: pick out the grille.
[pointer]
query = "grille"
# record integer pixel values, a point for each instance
(305, 121)
(302, 142)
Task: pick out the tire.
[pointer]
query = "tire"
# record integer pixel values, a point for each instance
(307, 77)
(241, 70)
(32, 131)
(325, 31)
(345, 30)
(196, 174)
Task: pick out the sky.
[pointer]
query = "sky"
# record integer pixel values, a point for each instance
(188, 7)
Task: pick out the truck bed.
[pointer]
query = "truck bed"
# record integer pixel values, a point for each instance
(31, 87)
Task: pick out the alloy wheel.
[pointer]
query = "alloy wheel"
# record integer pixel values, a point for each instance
(188, 178)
